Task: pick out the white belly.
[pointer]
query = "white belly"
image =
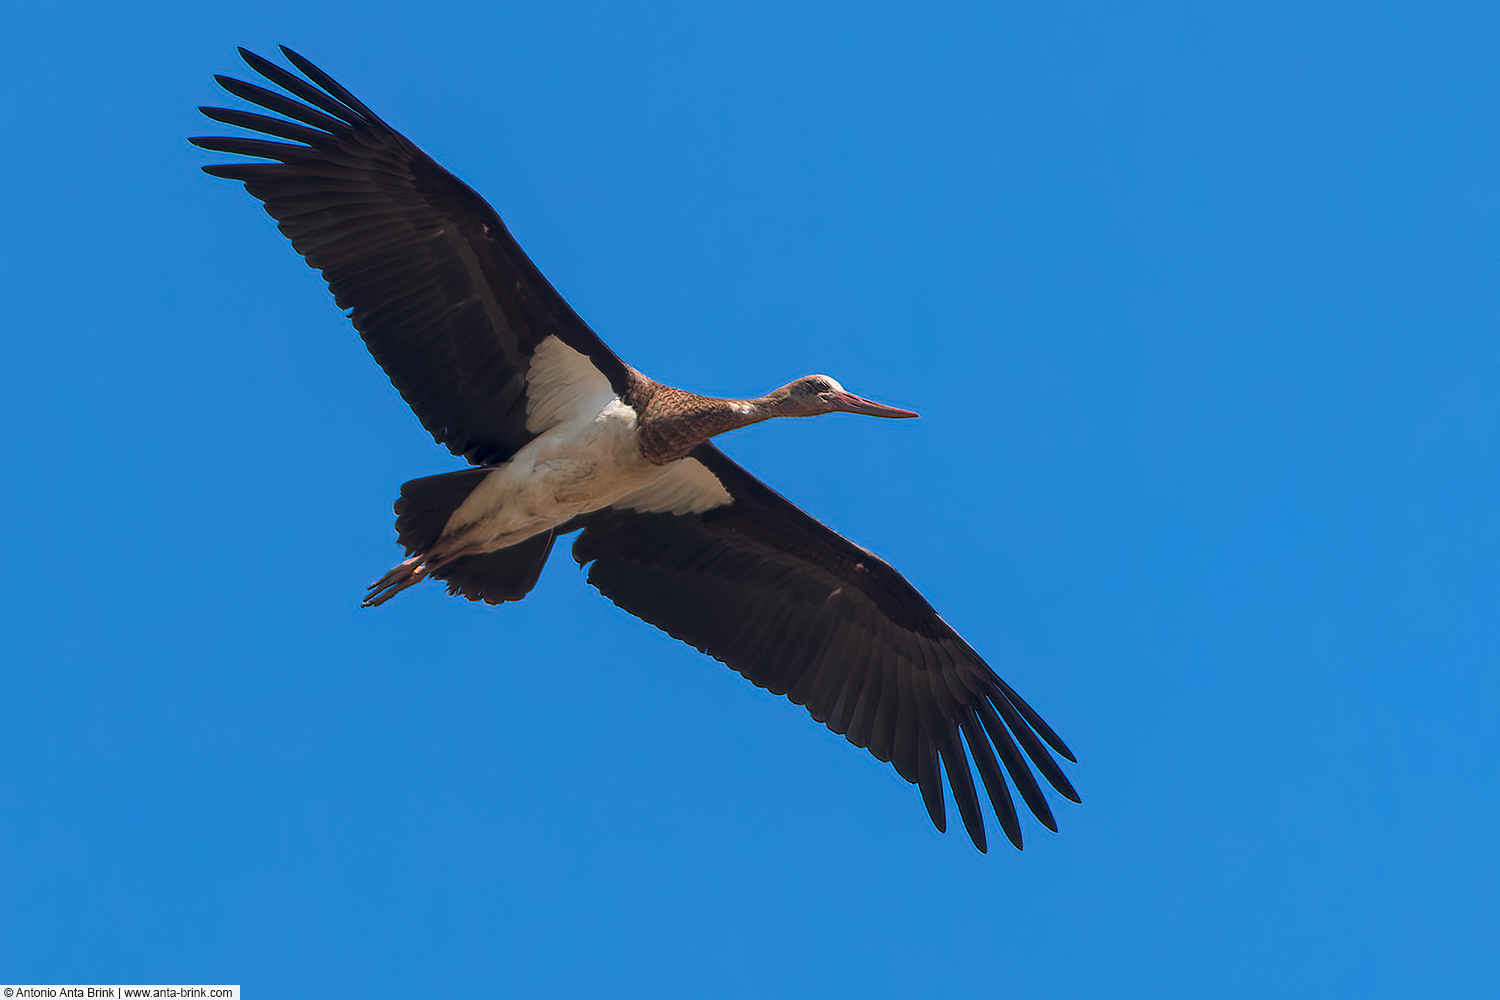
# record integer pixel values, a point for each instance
(577, 466)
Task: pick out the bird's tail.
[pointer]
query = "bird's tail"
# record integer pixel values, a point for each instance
(422, 512)
(492, 577)
(426, 504)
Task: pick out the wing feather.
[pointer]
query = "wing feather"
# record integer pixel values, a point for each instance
(446, 301)
(805, 613)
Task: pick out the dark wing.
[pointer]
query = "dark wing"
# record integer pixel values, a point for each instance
(803, 612)
(448, 303)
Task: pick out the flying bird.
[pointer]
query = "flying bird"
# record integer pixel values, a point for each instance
(563, 436)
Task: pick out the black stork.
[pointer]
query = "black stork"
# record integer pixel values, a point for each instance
(564, 436)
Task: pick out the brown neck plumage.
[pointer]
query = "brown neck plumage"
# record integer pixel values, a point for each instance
(673, 423)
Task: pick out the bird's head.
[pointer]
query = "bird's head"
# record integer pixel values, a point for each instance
(815, 394)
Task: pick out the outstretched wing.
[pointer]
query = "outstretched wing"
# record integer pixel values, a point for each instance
(444, 297)
(803, 612)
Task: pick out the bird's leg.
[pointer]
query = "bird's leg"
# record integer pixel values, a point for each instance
(407, 573)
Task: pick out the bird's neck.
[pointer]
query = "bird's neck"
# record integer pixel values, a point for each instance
(673, 422)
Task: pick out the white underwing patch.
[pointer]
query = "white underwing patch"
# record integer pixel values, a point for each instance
(684, 487)
(562, 385)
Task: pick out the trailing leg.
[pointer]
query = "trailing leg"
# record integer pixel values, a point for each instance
(406, 574)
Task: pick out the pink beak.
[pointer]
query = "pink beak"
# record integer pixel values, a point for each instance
(847, 402)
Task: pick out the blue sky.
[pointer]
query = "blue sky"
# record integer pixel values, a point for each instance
(1199, 303)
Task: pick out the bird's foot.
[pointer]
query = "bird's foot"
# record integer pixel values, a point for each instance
(411, 571)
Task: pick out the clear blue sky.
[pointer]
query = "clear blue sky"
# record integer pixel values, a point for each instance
(1199, 303)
